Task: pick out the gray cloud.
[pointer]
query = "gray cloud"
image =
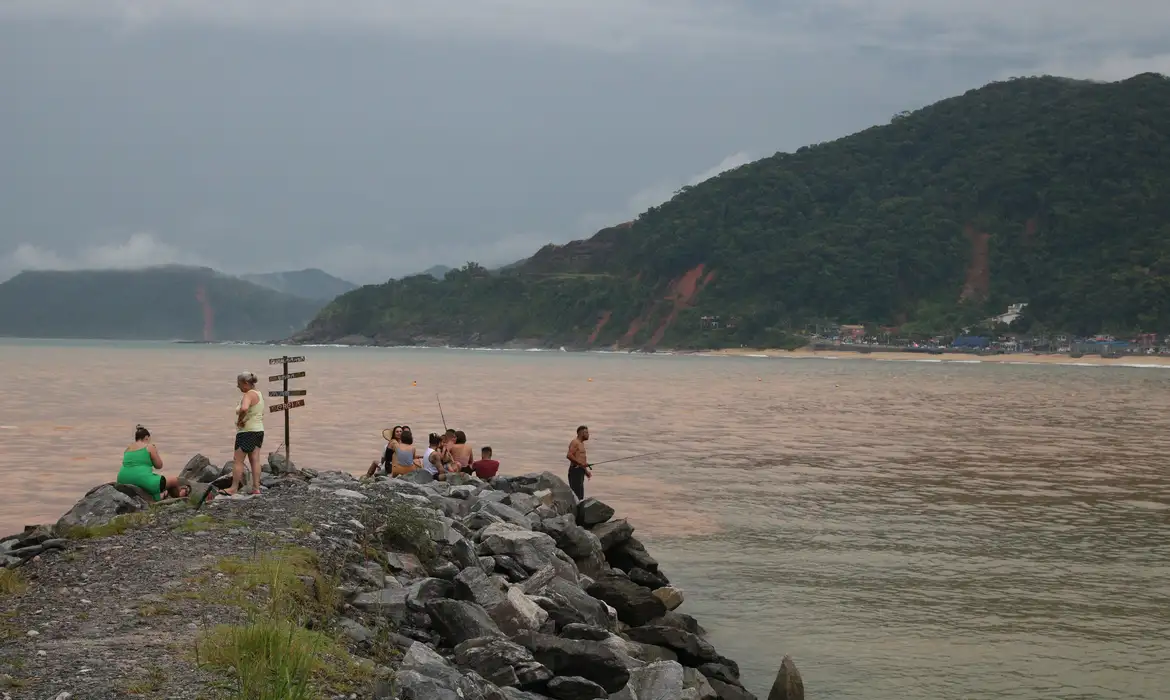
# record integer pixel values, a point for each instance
(913, 25)
(376, 138)
(136, 251)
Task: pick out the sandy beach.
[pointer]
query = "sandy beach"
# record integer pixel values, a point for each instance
(1011, 358)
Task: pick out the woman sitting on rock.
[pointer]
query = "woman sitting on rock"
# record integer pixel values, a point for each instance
(404, 458)
(139, 461)
(391, 436)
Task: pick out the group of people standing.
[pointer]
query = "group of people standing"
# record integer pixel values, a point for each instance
(445, 453)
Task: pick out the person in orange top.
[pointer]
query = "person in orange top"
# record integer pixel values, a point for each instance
(405, 458)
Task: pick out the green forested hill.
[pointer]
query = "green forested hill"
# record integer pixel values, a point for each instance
(1045, 190)
(160, 303)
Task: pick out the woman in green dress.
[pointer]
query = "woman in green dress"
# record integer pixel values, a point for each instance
(139, 461)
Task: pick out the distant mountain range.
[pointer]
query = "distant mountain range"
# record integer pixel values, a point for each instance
(307, 284)
(158, 303)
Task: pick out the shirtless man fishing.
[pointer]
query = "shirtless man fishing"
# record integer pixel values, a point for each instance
(579, 469)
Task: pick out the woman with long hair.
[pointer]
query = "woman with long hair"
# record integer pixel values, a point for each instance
(404, 458)
(391, 436)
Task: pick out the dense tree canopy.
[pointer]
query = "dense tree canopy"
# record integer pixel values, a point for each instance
(1045, 190)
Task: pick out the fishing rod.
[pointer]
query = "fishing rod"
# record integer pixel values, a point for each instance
(441, 411)
(622, 459)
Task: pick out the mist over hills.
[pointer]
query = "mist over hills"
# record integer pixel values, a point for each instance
(169, 302)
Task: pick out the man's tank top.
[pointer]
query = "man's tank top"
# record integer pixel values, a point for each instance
(254, 418)
(427, 461)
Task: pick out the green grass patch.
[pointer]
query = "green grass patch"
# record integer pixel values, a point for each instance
(275, 656)
(403, 526)
(153, 682)
(277, 659)
(200, 523)
(204, 522)
(290, 578)
(117, 526)
(12, 582)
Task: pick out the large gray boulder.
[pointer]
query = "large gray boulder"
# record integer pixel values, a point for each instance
(502, 662)
(613, 533)
(631, 554)
(532, 550)
(475, 586)
(663, 680)
(634, 604)
(99, 506)
(425, 590)
(199, 470)
(788, 684)
(593, 512)
(573, 540)
(567, 604)
(388, 602)
(692, 651)
(458, 621)
(423, 660)
(681, 621)
(503, 512)
(697, 687)
(518, 613)
(571, 657)
(727, 691)
(563, 498)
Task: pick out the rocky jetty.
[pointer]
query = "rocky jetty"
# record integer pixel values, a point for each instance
(330, 586)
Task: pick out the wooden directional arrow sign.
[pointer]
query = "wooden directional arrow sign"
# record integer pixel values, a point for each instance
(286, 406)
(290, 392)
(282, 377)
(284, 360)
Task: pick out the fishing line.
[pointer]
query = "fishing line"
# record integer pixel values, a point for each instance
(622, 459)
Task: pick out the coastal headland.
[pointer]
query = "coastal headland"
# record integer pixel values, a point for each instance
(327, 586)
(860, 353)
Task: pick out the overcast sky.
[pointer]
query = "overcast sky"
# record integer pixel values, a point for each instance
(374, 138)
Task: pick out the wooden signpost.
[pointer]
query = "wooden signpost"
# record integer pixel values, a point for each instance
(285, 393)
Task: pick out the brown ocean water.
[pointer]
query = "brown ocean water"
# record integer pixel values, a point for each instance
(903, 529)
